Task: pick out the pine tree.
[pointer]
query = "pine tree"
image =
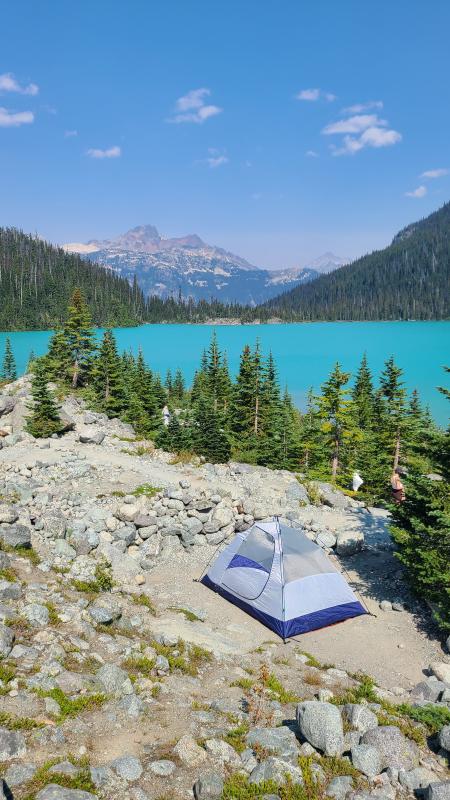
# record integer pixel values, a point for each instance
(392, 388)
(314, 457)
(363, 395)
(31, 360)
(80, 338)
(9, 369)
(337, 415)
(290, 435)
(168, 383)
(107, 377)
(270, 443)
(209, 437)
(58, 358)
(44, 419)
(143, 384)
(178, 388)
(245, 406)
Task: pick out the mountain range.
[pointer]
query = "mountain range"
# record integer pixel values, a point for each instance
(188, 266)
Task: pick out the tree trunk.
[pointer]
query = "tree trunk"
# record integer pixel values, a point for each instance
(397, 451)
(335, 461)
(75, 374)
(256, 415)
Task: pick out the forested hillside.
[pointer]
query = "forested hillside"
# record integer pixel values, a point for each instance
(37, 280)
(410, 279)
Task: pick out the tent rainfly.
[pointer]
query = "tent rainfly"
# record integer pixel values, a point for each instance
(284, 580)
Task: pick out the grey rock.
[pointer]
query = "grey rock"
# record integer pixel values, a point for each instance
(326, 539)
(428, 690)
(189, 752)
(127, 767)
(395, 749)
(101, 776)
(16, 536)
(17, 774)
(162, 665)
(5, 561)
(12, 744)
(55, 524)
(444, 737)
(349, 542)
(281, 741)
(439, 791)
(6, 640)
(54, 792)
(339, 787)
(209, 786)
(418, 778)
(162, 768)
(274, 769)
(65, 768)
(101, 616)
(441, 670)
(330, 496)
(8, 513)
(64, 550)
(297, 492)
(321, 725)
(114, 680)
(84, 541)
(132, 705)
(386, 605)
(94, 437)
(37, 615)
(222, 515)
(144, 520)
(367, 759)
(7, 404)
(89, 418)
(359, 717)
(215, 538)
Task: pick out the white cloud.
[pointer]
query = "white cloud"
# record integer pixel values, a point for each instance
(372, 132)
(9, 119)
(354, 124)
(311, 154)
(419, 192)
(110, 152)
(69, 134)
(8, 83)
(435, 173)
(192, 107)
(216, 158)
(359, 108)
(312, 95)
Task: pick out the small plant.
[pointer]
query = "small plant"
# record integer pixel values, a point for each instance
(101, 582)
(313, 661)
(144, 600)
(69, 707)
(43, 777)
(139, 665)
(183, 457)
(187, 660)
(18, 723)
(405, 725)
(189, 615)
(237, 737)
(314, 494)
(433, 717)
(21, 551)
(146, 490)
(155, 690)
(7, 574)
(243, 683)
(53, 616)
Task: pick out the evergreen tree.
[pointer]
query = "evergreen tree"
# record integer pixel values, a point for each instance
(144, 387)
(392, 388)
(9, 369)
(270, 442)
(31, 360)
(336, 413)
(209, 437)
(178, 388)
(314, 458)
(291, 450)
(58, 358)
(80, 338)
(135, 415)
(363, 395)
(107, 377)
(44, 419)
(168, 383)
(245, 414)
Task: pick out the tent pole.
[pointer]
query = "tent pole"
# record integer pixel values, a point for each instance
(280, 547)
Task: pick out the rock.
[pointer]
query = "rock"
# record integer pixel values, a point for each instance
(428, 690)
(8, 514)
(221, 750)
(444, 737)
(37, 615)
(222, 515)
(366, 759)
(92, 437)
(330, 496)
(65, 768)
(114, 680)
(281, 741)
(274, 769)
(55, 525)
(439, 791)
(188, 751)
(16, 536)
(209, 786)
(7, 404)
(349, 542)
(54, 792)
(12, 744)
(10, 590)
(17, 774)
(395, 749)
(326, 539)
(127, 767)
(64, 550)
(215, 538)
(101, 616)
(162, 768)
(296, 492)
(5, 561)
(321, 725)
(386, 605)
(6, 640)
(418, 778)
(127, 512)
(144, 520)
(442, 671)
(339, 787)
(359, 717)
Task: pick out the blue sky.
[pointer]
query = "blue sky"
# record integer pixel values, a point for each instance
(278, 130)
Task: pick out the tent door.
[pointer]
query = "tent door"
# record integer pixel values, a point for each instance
(249, 569)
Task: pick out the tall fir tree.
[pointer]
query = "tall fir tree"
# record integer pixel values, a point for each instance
(209, 436)
(394, 393)
(9, 369)
(107, 377)
(58, 359)
(44, 419)
(178, 388)
(80, 338)
(363, 395)
(270, 442)
(338, 424)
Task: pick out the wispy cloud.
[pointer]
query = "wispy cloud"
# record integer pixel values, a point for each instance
(216, 158)
(419, 192)
(110, 152)
(368, 131)
(11, 119)
(70, 134)
(435, 173)
(8, 83)
(193, 107)
(312, 95)
(359, 108)
(311, 154)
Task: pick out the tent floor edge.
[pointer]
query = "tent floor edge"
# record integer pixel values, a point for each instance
(275, 625)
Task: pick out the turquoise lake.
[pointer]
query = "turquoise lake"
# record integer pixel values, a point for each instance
(304, 353)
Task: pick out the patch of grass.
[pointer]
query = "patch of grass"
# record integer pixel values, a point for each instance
(197, 706)
(89, 664)
(238, 787)
(365, 690)
(432, 717)
(18, 723)
(7, 673)
(7, 574)
(61, 570)
(277, 690)
(335, 766)
(313, 661)
(189, 615)
(408, 729)
(146, 490)
(139, 665)
(282, 661)
(101, 582)
(243, 683)
(312, 678)
(9, 497)
(236, 737)
(139, 450)
(314, 495)
(71, 708)
(42, 777)
(155, 690)
(53, 617)
(128, 439)
(183, 457)
(22, 552)
(144, 600)
(187, 661)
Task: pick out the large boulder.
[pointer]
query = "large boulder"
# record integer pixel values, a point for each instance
(444, 738)
(274, 769)
(360, 717)
(7, 404)
(281, 741)
(6, 640)
(367, 759)
(91, 436)
(54, 792)
(12, 744)
(10, 590)
(55, 524)
(16, 536)
(439, 791)
(321, 725)
(189, 752)
(8, 514)
(441, 670)
(222, 515)
(209, 786)
(417, 778)
(349, 542)
(331, 496)
(396, 751)
(114, 680)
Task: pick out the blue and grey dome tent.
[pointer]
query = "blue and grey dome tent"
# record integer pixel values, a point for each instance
(284, 580)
